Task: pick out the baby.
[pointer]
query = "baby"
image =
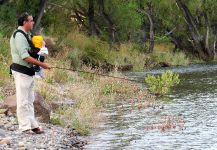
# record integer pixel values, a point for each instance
(38, 42)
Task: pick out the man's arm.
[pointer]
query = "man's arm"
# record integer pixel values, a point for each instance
(36, 62)
(22, 46)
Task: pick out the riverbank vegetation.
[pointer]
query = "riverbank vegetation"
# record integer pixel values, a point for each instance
(108, 36)
(90, 94)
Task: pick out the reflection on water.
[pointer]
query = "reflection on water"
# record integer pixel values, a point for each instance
(195, 99)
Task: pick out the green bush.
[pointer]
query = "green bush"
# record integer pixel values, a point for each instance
(161, 84)
(93, 56)
(55, 119)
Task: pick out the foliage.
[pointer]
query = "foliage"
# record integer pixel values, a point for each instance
(4, 49)
(129, 24)
(4, 60)
(162, 84)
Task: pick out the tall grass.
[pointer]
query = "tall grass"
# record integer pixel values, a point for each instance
(4, 60)
(128, 53)
(90, 94)
(95, 52)
(172, 59)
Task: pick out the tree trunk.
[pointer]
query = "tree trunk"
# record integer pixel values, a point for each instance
(92, 28)
(151, 33)
(39, 15)
(214, 45)
(1, 2)
(106, 18)
(200, 44)
(151, 29)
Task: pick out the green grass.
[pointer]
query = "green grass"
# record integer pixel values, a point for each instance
(90, 95)
(5, 60)
(170, 58)
(92, 51)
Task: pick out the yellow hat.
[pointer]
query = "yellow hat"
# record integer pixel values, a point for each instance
(37, 41)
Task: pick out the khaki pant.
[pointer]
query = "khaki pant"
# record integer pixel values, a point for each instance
(25, 98)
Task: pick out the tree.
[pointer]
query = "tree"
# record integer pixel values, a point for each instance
(199, 41)
(92, 25)
(149, 13)
(42, 6)
(107, 19)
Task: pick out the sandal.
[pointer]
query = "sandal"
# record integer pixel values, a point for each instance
(29, 131)
(37, 131)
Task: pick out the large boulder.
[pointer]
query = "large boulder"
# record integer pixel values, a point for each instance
(42, 109)
(61, 104)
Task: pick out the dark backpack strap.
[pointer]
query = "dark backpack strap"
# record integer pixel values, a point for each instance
(34, 50)
(26, 36)
(22, 69)
(33, 53)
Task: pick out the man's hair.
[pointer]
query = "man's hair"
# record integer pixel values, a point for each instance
(23, 17)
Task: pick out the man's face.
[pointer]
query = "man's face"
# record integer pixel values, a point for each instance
(28, 25)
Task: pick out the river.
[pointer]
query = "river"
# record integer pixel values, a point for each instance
(194, 100)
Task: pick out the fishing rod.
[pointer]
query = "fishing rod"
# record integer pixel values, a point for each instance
(100, 74)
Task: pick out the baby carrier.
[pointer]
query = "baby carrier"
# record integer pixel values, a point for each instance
(33, 52)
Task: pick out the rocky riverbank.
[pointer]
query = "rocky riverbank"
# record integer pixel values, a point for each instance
(54, 138)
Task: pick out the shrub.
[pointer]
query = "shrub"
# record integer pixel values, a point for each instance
(55, 119)
(162, 84)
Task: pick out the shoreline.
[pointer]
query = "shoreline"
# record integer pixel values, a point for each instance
(54, 138)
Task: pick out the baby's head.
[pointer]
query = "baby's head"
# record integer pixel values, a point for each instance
(38, 41)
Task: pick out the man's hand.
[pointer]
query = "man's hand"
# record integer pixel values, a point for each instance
(36, 62)
(45, 66)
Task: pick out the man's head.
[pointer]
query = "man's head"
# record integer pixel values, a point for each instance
(26, 21)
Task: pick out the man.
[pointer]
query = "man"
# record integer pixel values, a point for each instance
(23, 72)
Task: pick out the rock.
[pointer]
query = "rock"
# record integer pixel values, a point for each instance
(10, 104)
(127, 67)
(9, 113)
(2, 133)
(109, 67)
(5, 141)
(54, 138)
(12, 128)
(51, 45)
(9, 89)
(164, 64)
(22, 148)
(1, 105)
(2, 111)
(58, 104)
(42, 109)
(21, 144)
